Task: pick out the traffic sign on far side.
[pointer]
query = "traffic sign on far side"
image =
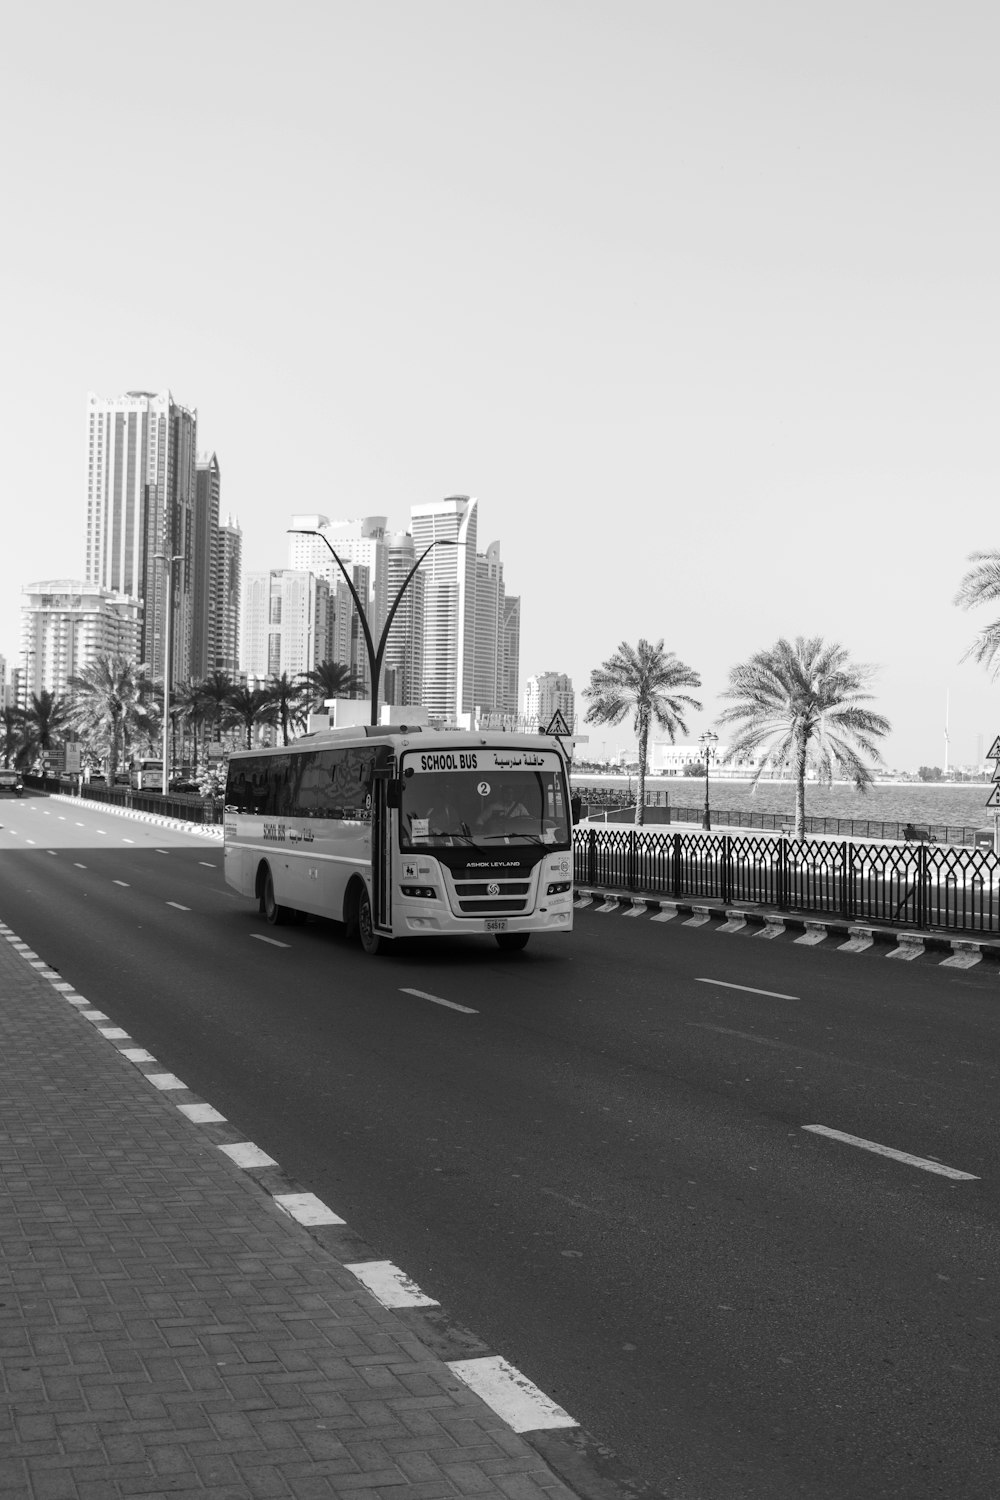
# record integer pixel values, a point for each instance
(993, 800)
(557, 725)
(993, 753)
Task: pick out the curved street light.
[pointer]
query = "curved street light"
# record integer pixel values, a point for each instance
(375, 653)
(708, 742)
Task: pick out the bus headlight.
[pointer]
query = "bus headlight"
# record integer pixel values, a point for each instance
(421, 892)
(557, 887)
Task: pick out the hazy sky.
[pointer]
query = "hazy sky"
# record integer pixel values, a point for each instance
(700, 300)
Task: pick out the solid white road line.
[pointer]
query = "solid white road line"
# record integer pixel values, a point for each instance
(748, 989)
(510, 1394)
(260, 938)
(903, 1156)
(306, 1208)
(389, 1285)
(423, 995)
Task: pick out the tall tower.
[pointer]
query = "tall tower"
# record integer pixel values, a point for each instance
(360, 545)
(450, 603)
(285, 622)
(227, 606)
(489, 671)
(204, 615)
(511, 651)
(403, 673)
(65, 624)
(140, 502)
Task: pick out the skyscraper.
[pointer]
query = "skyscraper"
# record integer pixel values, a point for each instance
(488, 690)
(450, 603)
(227, 608)
(285, 622)
(140, 503)
(204, 593)
(511, 651)
(65, 624)
(360, 545)
(403, 673)
(549, 693)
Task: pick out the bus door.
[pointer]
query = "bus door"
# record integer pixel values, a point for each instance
(382, 846)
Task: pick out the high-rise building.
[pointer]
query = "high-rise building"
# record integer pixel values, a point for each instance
(549, 693)
(360, 545)
(403, 672)
(449, 603)
(228, 597)
(204, 592)
(140, 509)
(65, 624)
(488, 691)
(511, 651)
(285, 622)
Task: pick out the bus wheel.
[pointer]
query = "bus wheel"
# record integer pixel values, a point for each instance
(371, 941)
(274, 913)
(512, 942)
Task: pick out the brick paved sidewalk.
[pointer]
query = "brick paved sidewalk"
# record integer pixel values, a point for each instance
(165, 1329)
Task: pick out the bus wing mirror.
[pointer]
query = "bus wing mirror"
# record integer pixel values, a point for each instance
(394, 793)
(576, 807)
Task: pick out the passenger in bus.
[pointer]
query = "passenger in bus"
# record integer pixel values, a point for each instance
(446, 820)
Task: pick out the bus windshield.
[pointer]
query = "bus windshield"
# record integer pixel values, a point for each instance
(496, 799)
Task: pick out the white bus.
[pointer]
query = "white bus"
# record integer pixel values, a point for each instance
(146, 775)
(405, 832)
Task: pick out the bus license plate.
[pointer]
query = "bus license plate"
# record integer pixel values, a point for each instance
(496, 924)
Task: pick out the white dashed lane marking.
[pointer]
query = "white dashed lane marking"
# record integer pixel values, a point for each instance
(437, 1000)
(120, 882)
(208, 864)
(274, 942)
(747, 989)
(178, 906)
(903, 1156)
(78, 866)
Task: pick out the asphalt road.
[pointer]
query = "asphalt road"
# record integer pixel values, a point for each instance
(601, 1164)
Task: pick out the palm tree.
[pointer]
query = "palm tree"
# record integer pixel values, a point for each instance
(12, 735)
(801, 705)
(644, 680)
(289, 709)
(111, 703)
(981, 585)
(46, 715)
(330, 679)
(250, 707)
(216, 690)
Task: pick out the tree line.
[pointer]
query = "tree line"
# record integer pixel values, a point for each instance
(116, 711)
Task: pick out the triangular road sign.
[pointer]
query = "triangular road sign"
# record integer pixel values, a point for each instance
(993, 753)
(557, 725)
(996, 772)
(993, 800)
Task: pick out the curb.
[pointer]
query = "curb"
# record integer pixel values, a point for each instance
(855, 937)
(207, 830)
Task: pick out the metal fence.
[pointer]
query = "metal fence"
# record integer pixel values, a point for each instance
(914, 885)
(617, 799)
(185, 805)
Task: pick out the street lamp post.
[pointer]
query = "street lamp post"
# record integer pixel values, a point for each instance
(708, 742)
(165, 557)
(375, 653)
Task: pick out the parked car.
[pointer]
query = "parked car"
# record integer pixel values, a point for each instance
(97, 776)
(183, 780)
(123, 778)
(10, 781)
